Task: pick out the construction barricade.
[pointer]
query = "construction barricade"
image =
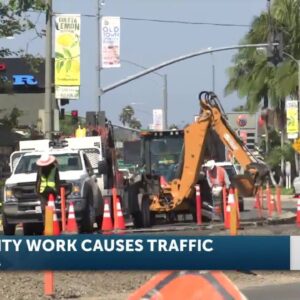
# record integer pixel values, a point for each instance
(201, 285)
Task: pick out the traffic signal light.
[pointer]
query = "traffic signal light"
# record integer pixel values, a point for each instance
(62, 114)
(74, 115)
(275, 53)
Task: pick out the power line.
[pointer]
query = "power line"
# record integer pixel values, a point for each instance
(170, 21)
(186, 22)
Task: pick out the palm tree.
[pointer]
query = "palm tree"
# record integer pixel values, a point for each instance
(126, 115)
(252, 75)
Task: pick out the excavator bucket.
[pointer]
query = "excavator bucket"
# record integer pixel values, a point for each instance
(245, 184)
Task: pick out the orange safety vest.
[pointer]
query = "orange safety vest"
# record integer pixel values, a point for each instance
(219, 180)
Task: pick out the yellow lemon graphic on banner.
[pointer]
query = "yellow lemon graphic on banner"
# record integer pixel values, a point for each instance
(75, 67)
(66, 39)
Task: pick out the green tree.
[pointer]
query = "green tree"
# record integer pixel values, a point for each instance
(126, 115)
(127, 118)
(13, 20)
(254, 77)
(173, 127)
(11, 120)
(135, 123)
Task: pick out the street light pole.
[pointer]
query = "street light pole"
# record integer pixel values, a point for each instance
(165, 109)
(48, 124)
(165, 92)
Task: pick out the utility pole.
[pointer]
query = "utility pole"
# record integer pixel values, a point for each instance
(98, 105)
(165, 106)
(48, 122)
(213, 73)
(165, 91)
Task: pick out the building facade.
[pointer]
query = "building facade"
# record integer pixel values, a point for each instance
(22, 86)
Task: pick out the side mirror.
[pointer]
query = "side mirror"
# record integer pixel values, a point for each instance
(102, 167)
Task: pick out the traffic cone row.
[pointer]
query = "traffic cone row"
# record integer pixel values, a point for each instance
(119, 222)
(71, 224)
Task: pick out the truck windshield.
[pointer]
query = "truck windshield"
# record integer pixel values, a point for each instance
(66, 162)
(164, 155)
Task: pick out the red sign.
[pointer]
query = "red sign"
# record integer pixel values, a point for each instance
(242, 120)
(2, 67)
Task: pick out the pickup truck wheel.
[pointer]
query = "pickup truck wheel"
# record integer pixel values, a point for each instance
(88, 217)
(99, 220)
(8, 229)
(33, 229)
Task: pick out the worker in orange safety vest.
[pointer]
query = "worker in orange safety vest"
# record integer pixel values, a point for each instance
(217, 178)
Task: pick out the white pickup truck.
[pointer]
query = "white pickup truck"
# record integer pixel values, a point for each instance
(21, 203)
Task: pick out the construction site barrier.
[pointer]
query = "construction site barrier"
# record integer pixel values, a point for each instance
(198, 205)
(49, 275)
(63, 208)
(224, 200)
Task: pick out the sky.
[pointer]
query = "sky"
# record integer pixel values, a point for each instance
(150, 43)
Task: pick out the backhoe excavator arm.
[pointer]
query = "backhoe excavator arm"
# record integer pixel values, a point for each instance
(211, 116)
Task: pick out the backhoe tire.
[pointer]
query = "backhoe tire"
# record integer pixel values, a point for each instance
(8, 229)
(137, 219)
(145, 213)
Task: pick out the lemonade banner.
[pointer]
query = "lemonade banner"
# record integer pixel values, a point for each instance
(67, 50)
(110, 42)
(67, 92)
(292, 125)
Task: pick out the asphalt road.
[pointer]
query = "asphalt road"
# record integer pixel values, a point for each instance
(289, 291)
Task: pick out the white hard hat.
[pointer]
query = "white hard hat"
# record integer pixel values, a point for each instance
(45, 160)
(210, 164)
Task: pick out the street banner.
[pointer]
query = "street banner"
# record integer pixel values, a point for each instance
(292, 125)
(110, 42)
(157, 119)
(67, 92)
(67, 50)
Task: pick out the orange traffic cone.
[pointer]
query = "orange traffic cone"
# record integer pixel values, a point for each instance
(227, 218)
(163, 182)
(56, 227)
(298, 213)
(119, 221)
(107, 224)
(71, 225)
(231, 200)
(51, 202)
